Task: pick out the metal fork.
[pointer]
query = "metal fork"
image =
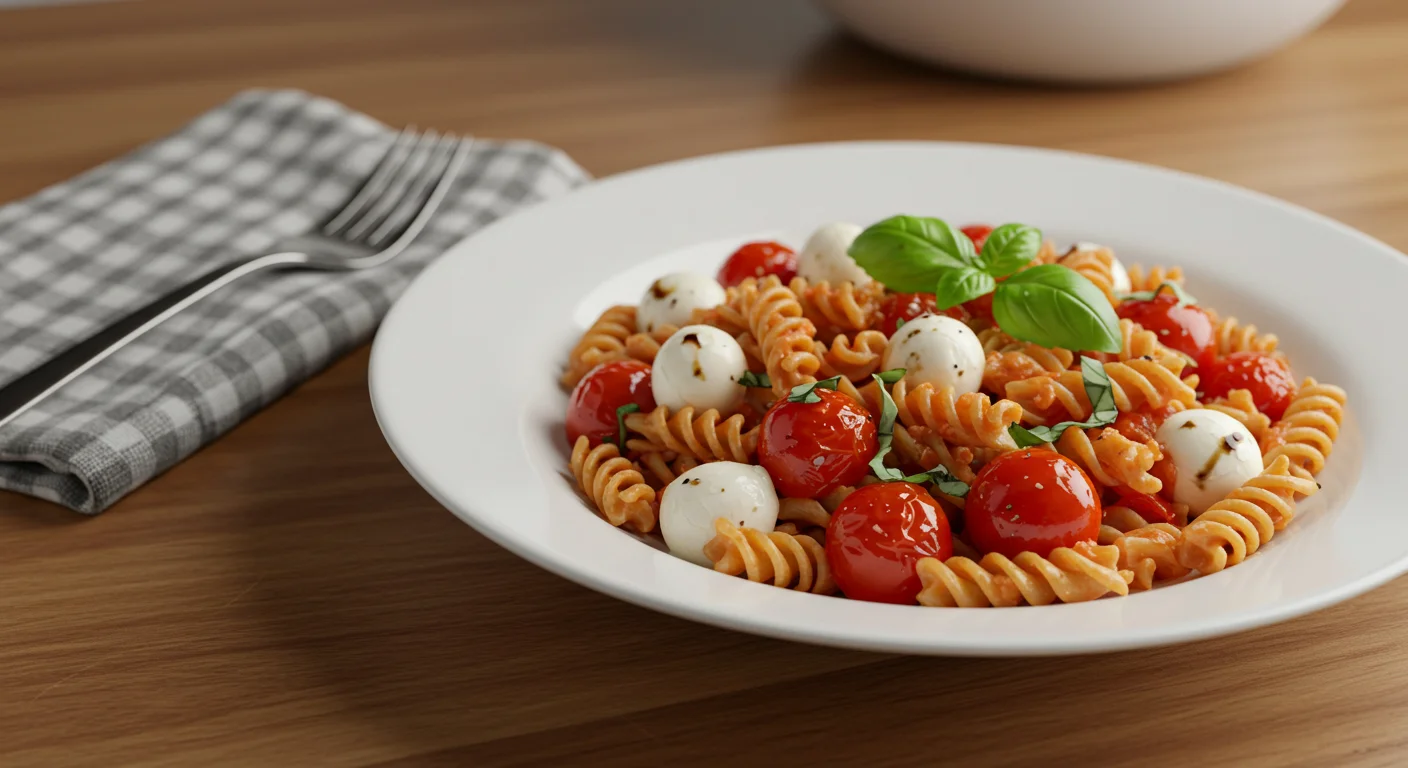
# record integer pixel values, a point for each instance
(374, 225)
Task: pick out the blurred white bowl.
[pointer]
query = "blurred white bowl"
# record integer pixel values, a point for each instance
(1085, 41)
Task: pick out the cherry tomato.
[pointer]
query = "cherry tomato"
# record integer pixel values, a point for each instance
(758, 260)
(810, 449)
(592, 409)
(877, 536)
(978, 233)
(1032, 500)
(907, 306)
(1187, 329)
(1268, 378)
(1152, 508)
(980, 307)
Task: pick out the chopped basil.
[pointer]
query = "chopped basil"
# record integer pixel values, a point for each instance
(806, 393)
(758, 380)
(1184, 298)
(621, 424)
(1102, 412)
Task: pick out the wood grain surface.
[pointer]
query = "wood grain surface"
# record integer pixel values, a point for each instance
(289, 596)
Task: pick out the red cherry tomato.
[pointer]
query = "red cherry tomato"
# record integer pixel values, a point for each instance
(980, 307)
(592, 409)
(759, 260)
(978, 233)
(1152, 508)
(1032, 500)
(877, 536)
(1268, 378)
(1187, 329)
(810, 449)
(907, 306)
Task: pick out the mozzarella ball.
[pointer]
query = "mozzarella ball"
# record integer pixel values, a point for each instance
(1213, 453)
(700, 366)
(743, 493)
(937, 350)
(672, 299)
(824, 256)
(1120, 275)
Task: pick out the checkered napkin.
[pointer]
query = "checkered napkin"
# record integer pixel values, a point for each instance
(264, 166)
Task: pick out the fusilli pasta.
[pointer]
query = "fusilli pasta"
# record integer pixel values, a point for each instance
(1112, 459)
(1069, 574)
(791, 561)
(704, 436)
(1236, 527)
(842, 308)
(1308, 429)
(854, 360)
(970, 419)
(1136, 383)
(785, 338)
(603, 342)
(614, 484)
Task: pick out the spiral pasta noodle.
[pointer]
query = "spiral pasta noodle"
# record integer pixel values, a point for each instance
(1083, 572)
(614, 484)
(1231, 336)
(1112, 459)
(923, 449)
(791, 561)
(785, 338)
(970, 419)
(1308, 429)
(603, 342)
(854, 360)
(645, 346)
(842, 308)
(704, 436)
(665, 467)
(1134, 383)
(1009, 360)
(1232, 529)
(1096, 265)
(1148, 553)
(1139, 280)
(1239, 405)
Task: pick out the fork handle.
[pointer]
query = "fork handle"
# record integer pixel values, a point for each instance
(24, 392)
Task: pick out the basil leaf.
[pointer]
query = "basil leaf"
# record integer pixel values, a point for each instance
(959, 285)
(885, 431)
(908, 253)
(621, 424)
(1102, 411)
(1184, 298)
(806, 393)
(891, 376)
(1009, 248)
(1054, 306)
(757, 380)
(941, 477)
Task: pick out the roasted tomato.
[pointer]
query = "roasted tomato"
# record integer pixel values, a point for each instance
(1187, 329)
(810, 449)
(1268, 378)
(877, 536)
(900, 308)
(759, 260)
(1032, 500)
(978, 233)
(592, 409)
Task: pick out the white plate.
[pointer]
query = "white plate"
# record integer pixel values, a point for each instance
(464, 372)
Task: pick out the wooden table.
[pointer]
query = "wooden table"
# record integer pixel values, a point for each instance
(289, 596)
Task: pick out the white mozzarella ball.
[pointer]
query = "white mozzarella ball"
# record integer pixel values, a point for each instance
(937, 350)
(1120, 275)
(743, 493)
(700, 366)
(825, 257)
(672, 299)
(1213, 453)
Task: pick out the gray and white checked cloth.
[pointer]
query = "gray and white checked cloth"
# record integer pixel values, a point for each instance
(263, 166)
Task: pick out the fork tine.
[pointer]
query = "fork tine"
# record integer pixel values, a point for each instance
(417, 196)
(432, 202)
(371, 187)
(396, 190)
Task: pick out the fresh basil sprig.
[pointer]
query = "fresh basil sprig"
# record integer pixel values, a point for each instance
(756, 380)
(1054, 306)
(885, 430)
(1184, 298)
(621, 424)
(1048, 305)
(908, 253)
(1102, 411)
(806, 393)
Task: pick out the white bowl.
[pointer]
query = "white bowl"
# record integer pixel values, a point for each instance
(1088, 41)
(465, 368)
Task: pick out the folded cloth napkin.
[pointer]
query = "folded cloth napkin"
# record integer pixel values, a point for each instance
(264, 166)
